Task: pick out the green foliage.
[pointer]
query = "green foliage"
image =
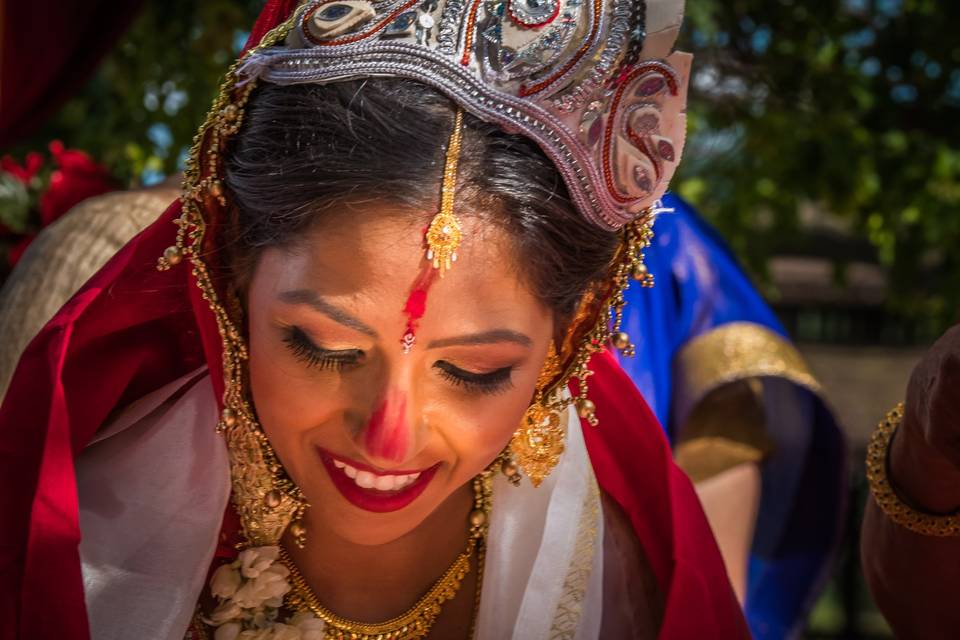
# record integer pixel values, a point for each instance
(847, 107)
(139, 113)
(14, 204)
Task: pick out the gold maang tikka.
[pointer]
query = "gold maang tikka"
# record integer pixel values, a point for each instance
(445, 233)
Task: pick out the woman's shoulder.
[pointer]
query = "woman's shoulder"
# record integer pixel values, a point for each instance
(632, 598)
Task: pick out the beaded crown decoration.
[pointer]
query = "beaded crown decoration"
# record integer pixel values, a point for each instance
(594, 82)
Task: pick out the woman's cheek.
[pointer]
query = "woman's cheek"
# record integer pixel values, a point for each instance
(288, 403)
(481, 433)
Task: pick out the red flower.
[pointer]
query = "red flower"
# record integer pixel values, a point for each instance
(25, 173)
(77, 178)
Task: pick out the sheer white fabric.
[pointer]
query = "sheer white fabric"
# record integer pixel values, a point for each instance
(544, 569)
(155, 482)
(153, 488)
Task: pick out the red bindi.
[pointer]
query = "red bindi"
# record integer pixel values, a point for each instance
(416, 305)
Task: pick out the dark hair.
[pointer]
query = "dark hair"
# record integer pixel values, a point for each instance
(304, 148)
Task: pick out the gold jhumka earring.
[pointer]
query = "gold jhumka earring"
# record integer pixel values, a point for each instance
(538, 443)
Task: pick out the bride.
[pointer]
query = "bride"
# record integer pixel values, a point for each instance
(405, 230)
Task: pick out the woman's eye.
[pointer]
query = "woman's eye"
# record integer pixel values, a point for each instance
(304, 349)
(492, 382)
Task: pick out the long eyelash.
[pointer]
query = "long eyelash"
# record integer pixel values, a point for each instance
(305, 350)
(494, 382)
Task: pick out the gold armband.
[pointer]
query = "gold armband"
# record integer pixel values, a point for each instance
(890, 503)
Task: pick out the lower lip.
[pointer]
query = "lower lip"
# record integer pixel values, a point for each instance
(371, 499)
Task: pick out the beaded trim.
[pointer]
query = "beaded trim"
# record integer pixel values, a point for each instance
(890, 503)
(266, 499)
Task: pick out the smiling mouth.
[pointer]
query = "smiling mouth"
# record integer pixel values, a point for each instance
(372, 490)
(368, 480)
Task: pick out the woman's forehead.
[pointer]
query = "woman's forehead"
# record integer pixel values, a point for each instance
(374, 261)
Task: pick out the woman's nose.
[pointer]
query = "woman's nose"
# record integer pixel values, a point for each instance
(389, 437)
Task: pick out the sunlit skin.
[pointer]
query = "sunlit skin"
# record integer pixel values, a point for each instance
(451, 403)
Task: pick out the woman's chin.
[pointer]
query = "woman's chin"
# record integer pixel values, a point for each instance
(364, 528)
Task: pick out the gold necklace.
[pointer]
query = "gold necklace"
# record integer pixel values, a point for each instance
(417, 621)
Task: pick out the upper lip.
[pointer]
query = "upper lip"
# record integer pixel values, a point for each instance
(377, 472)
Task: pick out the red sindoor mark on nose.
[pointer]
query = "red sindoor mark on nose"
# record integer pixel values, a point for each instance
(416, 305)
(387, 435)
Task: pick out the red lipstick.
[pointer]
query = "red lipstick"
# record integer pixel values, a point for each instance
(374, 499)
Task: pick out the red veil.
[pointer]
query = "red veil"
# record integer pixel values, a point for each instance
(133, 329)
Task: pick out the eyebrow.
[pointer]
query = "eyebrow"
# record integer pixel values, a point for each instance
(312, 299)
(487, 337)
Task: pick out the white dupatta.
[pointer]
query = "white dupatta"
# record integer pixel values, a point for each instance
(154, 484)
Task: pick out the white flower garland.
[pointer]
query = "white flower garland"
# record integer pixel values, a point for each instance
(250, 593)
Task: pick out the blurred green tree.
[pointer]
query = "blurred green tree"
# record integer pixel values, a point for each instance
(140, 111)
(847, 107)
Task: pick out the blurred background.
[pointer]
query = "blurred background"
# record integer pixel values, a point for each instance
(824, 145)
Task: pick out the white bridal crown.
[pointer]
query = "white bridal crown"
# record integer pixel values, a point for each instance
(594, 82)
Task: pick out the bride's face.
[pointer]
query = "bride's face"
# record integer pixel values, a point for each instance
(376, 438)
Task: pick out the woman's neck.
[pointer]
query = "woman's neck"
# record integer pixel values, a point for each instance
(373, 583)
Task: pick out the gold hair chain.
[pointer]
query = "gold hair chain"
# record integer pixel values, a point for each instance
(445, 233)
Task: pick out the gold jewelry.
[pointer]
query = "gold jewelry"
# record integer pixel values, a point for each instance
(539, 441)
(445, 233)
(537, 444)
(417, 621)
(890, 503)
(509, 467)
(267, 501)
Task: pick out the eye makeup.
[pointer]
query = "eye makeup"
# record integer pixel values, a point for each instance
(494, 382)
(305, 350)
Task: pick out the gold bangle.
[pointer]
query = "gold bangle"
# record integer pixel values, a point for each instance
(890, 503)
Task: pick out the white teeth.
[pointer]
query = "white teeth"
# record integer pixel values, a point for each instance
(367, 480)
(386, 483)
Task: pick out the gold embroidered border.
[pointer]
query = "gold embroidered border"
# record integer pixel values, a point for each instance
(704, 458)
(566, 620)
(735, 351)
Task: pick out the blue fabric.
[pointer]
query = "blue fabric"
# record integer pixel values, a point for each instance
(700, 287)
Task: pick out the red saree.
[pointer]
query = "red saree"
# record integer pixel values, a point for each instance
(132, 329)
